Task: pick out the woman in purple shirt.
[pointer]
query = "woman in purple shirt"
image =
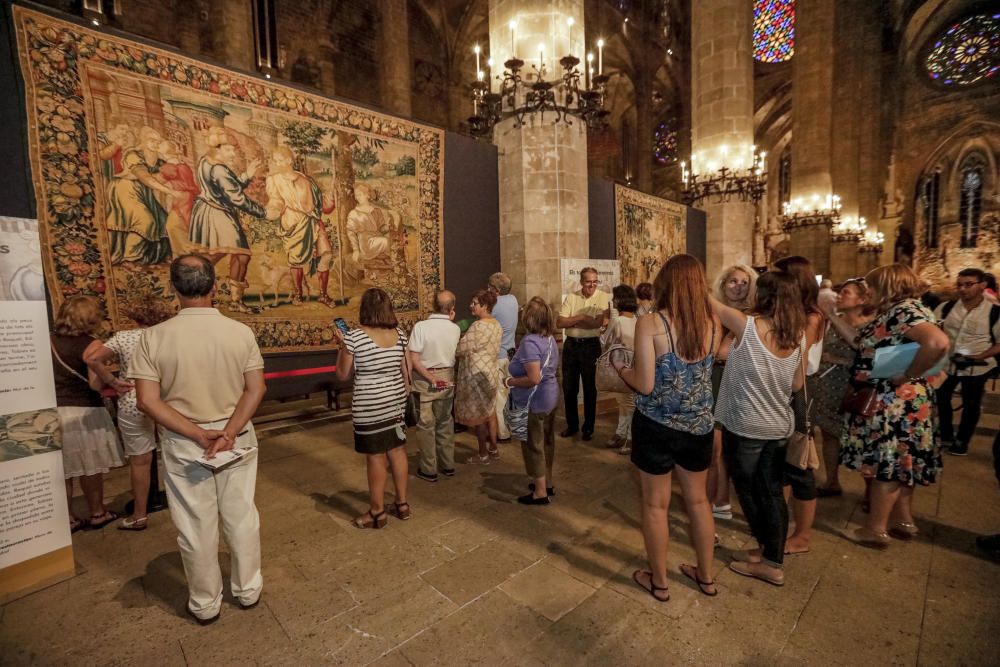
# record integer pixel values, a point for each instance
(533, 382)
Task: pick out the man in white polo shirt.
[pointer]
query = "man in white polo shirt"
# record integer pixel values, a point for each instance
(973, 327)
(200, 377)
(432, 356)
(582, 315)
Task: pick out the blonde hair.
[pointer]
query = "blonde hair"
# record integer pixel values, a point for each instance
(893, 283)
(725, 274)
(79, 316)
(537, 317)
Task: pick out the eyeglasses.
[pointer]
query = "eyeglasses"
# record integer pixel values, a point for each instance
(966, 285)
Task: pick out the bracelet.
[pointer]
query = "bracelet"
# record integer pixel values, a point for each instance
(506, 381)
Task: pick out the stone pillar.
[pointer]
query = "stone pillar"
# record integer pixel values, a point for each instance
(844, 260)
(812, 123)
(395, 63)
(722, 118)
(543, 164)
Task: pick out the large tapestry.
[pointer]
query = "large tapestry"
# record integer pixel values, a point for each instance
(302, 202)
(648, 231)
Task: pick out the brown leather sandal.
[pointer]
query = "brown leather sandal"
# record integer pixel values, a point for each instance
(401, 510)
(370, 520)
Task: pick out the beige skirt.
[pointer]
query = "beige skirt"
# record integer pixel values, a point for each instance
(89, 442)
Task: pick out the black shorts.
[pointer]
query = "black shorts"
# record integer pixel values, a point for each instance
(803, 482)
(656, 448)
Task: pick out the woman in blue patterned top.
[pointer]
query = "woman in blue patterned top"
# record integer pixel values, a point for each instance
(672, 426)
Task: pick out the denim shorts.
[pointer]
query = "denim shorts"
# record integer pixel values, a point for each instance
(656, 448)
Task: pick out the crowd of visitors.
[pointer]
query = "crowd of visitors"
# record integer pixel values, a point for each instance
(720, 383)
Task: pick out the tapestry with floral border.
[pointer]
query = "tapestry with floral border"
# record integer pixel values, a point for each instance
(648, 231)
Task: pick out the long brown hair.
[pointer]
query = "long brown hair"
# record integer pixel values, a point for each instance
(682, 292)
(802, 269)
(779, 299)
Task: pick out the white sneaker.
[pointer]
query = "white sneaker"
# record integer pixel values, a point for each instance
(722, 511)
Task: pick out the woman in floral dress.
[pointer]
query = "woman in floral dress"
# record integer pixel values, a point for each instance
(478, 376)
(897, 447)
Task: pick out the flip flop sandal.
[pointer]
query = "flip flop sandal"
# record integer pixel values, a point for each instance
(652, 588)
(747, 570)
(75, 525)
(691, 572)
(129, 523)
(104, 519)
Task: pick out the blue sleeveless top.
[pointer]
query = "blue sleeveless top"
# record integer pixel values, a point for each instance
(682, 392)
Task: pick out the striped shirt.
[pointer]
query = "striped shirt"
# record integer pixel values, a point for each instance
(379, 389)
(756, 391)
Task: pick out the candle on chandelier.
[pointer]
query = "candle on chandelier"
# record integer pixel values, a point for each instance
(489, 73)
(513, 26)
(588, 71)
(541, 58)
(600, 56)
(476, 50)
(570, 21)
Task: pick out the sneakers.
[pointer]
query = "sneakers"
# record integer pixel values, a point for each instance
(722, 511)
(428, 478)
(959, 449)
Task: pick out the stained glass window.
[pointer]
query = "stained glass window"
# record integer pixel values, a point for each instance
(928, 198)
(971, 202)
(967, 52)
(773, 30)
(665, 143)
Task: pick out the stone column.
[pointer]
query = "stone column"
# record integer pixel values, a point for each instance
(843, 260)
(394, 62)
(722, 118)
(812, 123)
(543, 164)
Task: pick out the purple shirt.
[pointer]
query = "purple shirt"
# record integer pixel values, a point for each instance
(536, 348)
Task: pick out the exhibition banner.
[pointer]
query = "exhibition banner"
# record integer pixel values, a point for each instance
(33, 508)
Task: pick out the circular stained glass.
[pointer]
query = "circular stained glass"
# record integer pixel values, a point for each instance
(665, 143)
(773, 30)
(967, 52)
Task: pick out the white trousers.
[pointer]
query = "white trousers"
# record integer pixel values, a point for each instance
(198, 498)
(503, 431)
(626, 408)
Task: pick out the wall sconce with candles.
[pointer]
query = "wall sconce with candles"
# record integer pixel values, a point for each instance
(740, 174)
(816, 211)
(872, 242)
(848, 230)
(516, 97)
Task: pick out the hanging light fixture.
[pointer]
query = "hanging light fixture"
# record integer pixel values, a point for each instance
(848, 230)
(265, 37)
(728, 174)
(809, 212)
(872, 242)
(561, 95)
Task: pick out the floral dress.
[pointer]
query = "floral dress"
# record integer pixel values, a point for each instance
(900, 441)
(478, 374)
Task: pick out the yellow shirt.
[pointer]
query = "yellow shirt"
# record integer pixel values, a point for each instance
(575, 304)
(199, 358)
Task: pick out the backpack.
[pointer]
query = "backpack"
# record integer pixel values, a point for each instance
(994, 318)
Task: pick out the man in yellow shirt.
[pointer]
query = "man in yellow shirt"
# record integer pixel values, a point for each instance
(582, 315)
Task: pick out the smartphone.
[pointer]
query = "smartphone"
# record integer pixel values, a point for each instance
(341, 324)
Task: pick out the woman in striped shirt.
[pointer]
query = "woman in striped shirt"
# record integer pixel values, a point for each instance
(754, 409)
(376, 353)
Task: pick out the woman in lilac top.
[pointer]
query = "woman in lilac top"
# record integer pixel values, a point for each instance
(533, 382)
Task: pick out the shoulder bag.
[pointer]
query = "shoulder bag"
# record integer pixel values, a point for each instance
(517, 416)
(608, 378)
(801, 449)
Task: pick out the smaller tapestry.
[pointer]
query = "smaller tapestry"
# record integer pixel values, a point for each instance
(648, 231)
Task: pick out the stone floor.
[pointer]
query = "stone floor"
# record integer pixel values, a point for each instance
(475, 578)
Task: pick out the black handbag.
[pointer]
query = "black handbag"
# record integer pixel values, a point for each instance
(412, 414)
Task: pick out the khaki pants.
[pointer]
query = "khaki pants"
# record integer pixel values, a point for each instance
(198, 499)
(626, 408)
(540, 448)
(436, 424)
(503, 431)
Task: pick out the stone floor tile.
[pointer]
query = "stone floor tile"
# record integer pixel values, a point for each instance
(470, 575)
(546, 590)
